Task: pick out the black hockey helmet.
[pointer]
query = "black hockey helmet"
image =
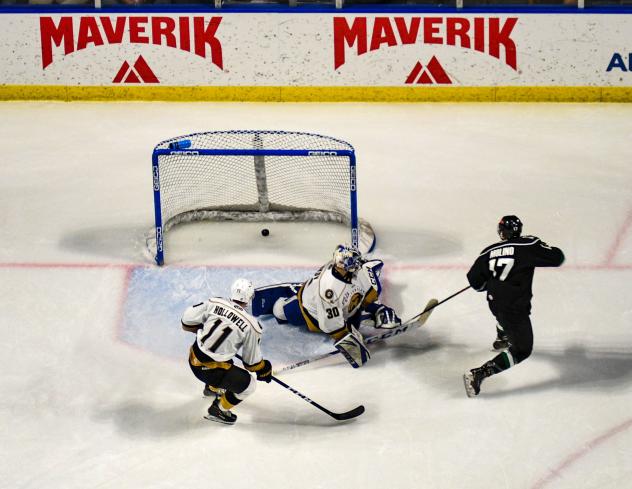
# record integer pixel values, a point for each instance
(509, 227)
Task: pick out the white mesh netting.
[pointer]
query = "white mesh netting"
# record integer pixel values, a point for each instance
(263, 187)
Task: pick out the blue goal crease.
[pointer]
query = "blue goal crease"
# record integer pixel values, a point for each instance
(157, 297)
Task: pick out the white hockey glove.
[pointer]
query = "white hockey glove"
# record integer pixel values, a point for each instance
(353, 349)
(386, 318)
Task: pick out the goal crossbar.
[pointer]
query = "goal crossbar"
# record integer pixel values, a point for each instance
(257, 152)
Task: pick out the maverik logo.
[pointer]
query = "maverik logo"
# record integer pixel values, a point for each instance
(139, 73)
(192, 34)
(434, 73)
(489, 35)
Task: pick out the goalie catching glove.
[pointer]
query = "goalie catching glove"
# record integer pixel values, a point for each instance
(353, 349)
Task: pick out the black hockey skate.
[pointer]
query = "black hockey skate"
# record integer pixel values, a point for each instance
(210, 391)
(218, 415)
(473, 379)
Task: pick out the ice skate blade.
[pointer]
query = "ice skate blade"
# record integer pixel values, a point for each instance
(217, 420)
(467, 383)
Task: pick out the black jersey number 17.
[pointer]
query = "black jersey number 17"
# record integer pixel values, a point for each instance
(500, 267)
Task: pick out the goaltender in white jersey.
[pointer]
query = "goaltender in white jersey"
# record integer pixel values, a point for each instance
(340, 296)
(222, 328)
(331, 297)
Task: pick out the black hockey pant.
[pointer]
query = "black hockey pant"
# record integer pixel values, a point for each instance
(235, 380)
(518, 329)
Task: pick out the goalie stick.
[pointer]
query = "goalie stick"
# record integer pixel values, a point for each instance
(352, 413)
(414, 322)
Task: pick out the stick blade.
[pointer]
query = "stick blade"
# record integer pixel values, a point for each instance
(432, 303)
(354, 413)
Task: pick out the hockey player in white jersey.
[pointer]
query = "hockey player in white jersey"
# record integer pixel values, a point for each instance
(341, 296)
(222, 328)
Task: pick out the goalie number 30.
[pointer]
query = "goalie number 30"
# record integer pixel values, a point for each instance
(501, 266)
(332, 312)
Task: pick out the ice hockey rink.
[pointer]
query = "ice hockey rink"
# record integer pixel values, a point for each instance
(96, 390)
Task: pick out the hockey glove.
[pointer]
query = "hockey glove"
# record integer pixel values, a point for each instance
(264, 374)
(386, 318)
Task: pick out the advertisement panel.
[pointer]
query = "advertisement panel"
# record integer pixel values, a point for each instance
(316, 50)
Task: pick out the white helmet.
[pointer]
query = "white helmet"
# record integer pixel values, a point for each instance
(347, 258)
(242, 290)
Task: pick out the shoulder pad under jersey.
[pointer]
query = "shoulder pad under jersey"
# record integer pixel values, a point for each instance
(245, 315)
(525, 240)
(330, 288)
(256, 325)
(491, 247)
(369, 278)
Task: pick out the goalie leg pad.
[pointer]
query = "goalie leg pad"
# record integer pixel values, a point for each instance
(278, 312)
(353, 349)
(265, 297)
(288, 311)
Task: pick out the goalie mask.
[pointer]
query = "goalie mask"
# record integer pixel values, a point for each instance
(242, 290)
(347, 258)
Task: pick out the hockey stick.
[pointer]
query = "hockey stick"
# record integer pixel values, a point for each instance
(353, 413)
(416, 321)
(442, 301)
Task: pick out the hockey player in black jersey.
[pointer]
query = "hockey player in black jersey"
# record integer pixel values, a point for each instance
(504, 271)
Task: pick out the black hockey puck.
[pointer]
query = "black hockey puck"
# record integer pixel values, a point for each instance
(265, 232)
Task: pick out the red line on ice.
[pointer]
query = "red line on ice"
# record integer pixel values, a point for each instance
(447, 266)
(575, 456)
(68, 265)
(122, 299)
(148, 265)
(410, 266)
(618, 240)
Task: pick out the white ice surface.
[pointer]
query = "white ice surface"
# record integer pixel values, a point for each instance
(95, 391)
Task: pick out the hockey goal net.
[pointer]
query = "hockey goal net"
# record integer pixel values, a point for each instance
(255, 176)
